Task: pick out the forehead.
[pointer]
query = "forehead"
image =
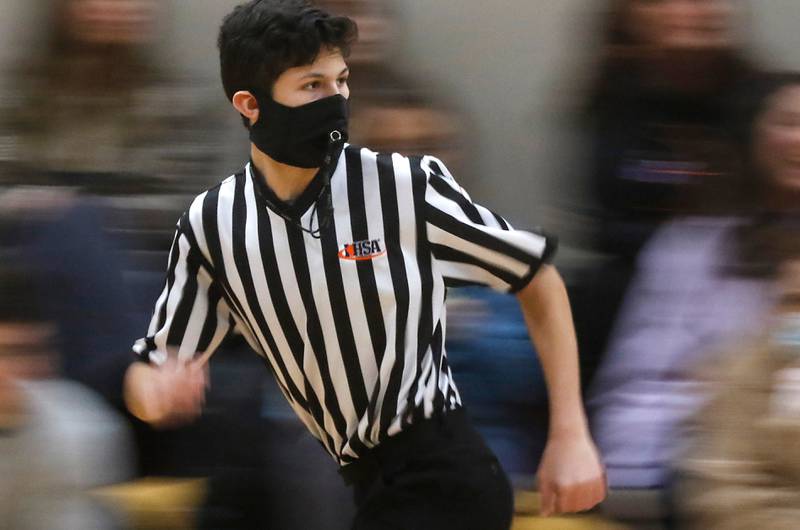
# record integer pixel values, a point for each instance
(353, 8)
(328, 62)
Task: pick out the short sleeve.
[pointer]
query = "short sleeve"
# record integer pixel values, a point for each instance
(191, 316)
(473, 245)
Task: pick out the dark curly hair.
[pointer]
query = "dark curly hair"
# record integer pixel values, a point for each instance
(261, 39)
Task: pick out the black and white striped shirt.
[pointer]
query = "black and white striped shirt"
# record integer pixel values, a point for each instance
(352, 322)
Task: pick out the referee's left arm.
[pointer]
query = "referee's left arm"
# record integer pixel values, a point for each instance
(571, 477)
(473, 245)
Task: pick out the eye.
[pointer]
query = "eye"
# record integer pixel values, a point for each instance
(342, 81)
(313, 85)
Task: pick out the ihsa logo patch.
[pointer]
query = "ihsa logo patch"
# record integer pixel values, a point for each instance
(362, 250)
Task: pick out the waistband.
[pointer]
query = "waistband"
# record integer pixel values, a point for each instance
(393, 452)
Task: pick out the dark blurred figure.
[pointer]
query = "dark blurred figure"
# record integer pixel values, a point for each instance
(93, 107)
(89, 113)
(57, 236)
(657, 122)
(703, 281)
(659, 112)
(99, 143)
(83, 154)
(393, 112)
(57, 439)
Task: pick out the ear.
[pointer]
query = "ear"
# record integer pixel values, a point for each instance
(244, 102)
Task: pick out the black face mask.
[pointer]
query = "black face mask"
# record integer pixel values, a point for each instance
(299, 136)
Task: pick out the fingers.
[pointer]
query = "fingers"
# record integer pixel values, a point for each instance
(565, 503)
(549, 497)
(575, 498)
(142, 392)
(571, 476)
(586, 499)
(169, 395)
(184, 392)
(200, 373)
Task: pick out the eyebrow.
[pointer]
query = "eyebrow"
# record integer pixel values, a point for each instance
(317, 75)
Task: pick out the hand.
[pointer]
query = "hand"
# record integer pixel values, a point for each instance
(166, 396)
(571, 477)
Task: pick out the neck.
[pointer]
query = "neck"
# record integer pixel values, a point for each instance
(286, 182)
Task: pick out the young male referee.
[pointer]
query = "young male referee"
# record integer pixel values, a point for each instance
(333, 262)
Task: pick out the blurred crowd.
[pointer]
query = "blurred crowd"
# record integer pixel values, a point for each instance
(687, 315)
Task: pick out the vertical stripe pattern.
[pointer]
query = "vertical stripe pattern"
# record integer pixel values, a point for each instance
(353, 323)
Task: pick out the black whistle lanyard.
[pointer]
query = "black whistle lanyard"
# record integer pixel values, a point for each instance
(323, 204)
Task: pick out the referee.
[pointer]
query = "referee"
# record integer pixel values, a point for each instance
(333, 261)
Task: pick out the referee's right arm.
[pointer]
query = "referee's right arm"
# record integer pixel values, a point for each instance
(191, 317)
(189, 322)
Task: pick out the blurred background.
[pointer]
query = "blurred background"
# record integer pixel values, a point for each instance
(659, 139)
(548, 53)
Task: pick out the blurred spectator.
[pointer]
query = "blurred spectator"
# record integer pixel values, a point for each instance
(656, 123)
(389, 112)
(96, 115)
(58, 238)
(100, 143)
(743, 469)
(702, 282)
(659, 111)
(57, 439)
(93, 107)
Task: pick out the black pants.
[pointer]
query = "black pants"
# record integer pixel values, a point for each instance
(438, 474)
